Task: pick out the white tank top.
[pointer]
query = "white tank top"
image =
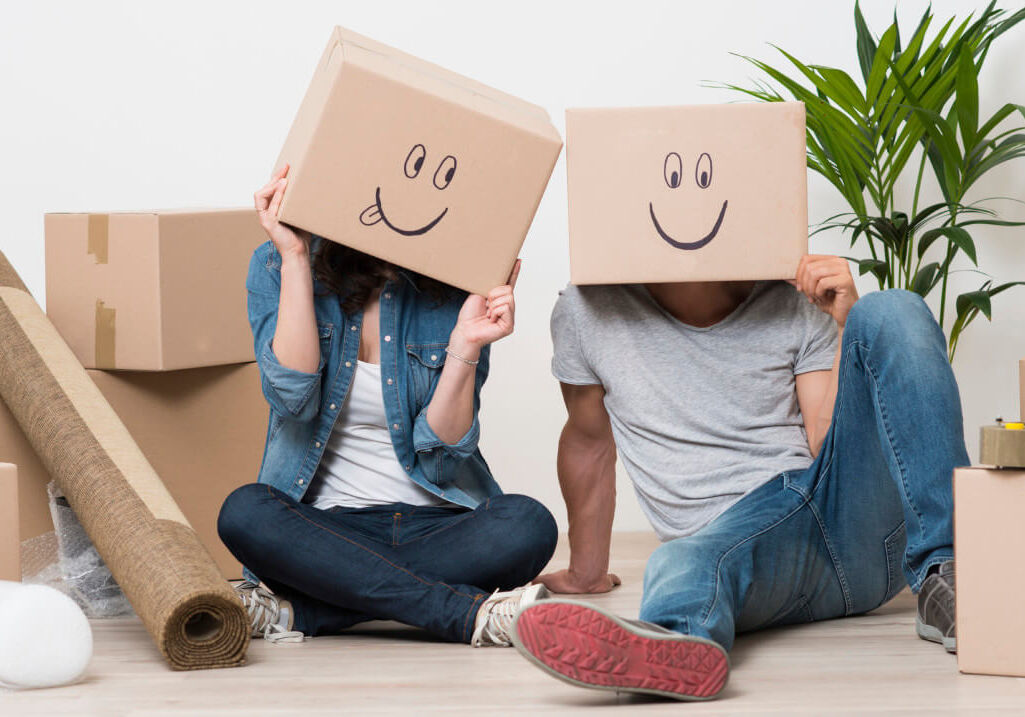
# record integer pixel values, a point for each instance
(359, 468)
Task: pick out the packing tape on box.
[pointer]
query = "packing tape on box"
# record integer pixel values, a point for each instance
(106, 329)
(98, 237)
(188, 608)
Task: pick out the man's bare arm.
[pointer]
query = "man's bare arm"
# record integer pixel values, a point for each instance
(587, 477)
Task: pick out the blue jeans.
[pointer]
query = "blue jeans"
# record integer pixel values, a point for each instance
(871, 514)
(424, 566)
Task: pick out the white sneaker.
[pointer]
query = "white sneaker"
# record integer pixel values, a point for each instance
(493, 627)
(270, 619)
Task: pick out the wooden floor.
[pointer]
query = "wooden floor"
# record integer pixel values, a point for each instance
(870, 664)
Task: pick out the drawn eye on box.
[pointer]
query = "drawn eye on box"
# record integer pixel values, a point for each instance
(672, 171)
(412, 167)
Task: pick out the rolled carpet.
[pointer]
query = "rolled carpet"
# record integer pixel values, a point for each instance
(154, 554)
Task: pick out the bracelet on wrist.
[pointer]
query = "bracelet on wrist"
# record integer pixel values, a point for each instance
(456, 356)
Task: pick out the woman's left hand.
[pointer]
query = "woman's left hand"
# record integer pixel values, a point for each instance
(483, 320)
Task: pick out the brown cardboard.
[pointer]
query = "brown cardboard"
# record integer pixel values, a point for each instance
(693, 193)
(1002, 445)
(988, 543)
(202, 430)
(10, 543)
(152, 291)
(370, 113)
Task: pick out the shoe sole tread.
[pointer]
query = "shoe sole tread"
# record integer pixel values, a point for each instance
(588, 647)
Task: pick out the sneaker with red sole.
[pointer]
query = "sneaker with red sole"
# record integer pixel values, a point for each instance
(589, 647)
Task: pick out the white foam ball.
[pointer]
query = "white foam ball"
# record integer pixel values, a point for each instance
(45, 639)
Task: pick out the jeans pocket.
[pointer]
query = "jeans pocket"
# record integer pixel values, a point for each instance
(894, 545)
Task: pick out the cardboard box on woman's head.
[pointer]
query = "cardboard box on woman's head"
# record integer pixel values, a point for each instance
(414, 164)
(697, 193)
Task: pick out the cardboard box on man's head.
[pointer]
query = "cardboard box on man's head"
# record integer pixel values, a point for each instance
(416, 165)
(695, 193)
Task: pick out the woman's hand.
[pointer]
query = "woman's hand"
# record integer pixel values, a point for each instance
(483, 320)
(287, 241)
(827, 282)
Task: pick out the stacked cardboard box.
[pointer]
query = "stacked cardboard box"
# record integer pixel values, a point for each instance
(10, 556)
(160, 297)
(988, 544)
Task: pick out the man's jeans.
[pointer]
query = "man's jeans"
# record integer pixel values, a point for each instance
(872, 513)
(423, 566)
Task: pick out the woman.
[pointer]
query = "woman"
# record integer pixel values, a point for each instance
(373, 501)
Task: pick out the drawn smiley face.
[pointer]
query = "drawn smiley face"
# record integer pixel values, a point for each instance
(443, 176)
(672, 170)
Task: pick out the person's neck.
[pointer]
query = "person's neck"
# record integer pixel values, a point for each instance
(701, 304)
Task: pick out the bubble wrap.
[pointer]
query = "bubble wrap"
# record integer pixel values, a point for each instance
(66, 560)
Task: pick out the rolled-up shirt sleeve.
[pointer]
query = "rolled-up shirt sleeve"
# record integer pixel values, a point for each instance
(291, 394)
(431, 449)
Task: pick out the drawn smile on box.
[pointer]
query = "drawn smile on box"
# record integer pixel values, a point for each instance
(375, 213)
(672, 169)
(414, 163)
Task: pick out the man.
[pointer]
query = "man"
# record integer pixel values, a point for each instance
(791, 444)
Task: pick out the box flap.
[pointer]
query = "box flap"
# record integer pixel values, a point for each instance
(443, 83)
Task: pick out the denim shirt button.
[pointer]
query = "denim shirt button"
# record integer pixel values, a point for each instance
(408, 468)
(390, 382)
(395, 426)
(348, 364)
(332, 406)
(387, 295)
(387, 338)
(302, 481)
(434, 357)
(316, 444)
(352, 328)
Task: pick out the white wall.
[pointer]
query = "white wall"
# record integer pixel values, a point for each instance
(125, 105)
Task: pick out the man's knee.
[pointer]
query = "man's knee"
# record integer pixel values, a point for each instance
(894, 314)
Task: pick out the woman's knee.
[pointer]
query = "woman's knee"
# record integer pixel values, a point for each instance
(239, 513)
(531, 526)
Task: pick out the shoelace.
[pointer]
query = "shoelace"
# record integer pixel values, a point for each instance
(264, 611)
(499, 611)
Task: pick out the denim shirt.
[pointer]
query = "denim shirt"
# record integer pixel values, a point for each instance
(414, 330)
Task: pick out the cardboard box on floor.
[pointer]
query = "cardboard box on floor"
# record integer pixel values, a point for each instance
(202, 430)
(10, 541)
(414, 164)
(152, 291)
(990, 619)
(694, 193)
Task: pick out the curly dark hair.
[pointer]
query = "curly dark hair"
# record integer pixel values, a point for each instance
(353, 276)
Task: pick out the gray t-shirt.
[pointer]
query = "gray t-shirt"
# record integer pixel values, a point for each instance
(701, 416)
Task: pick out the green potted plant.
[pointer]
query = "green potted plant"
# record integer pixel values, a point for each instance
(917, 105)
